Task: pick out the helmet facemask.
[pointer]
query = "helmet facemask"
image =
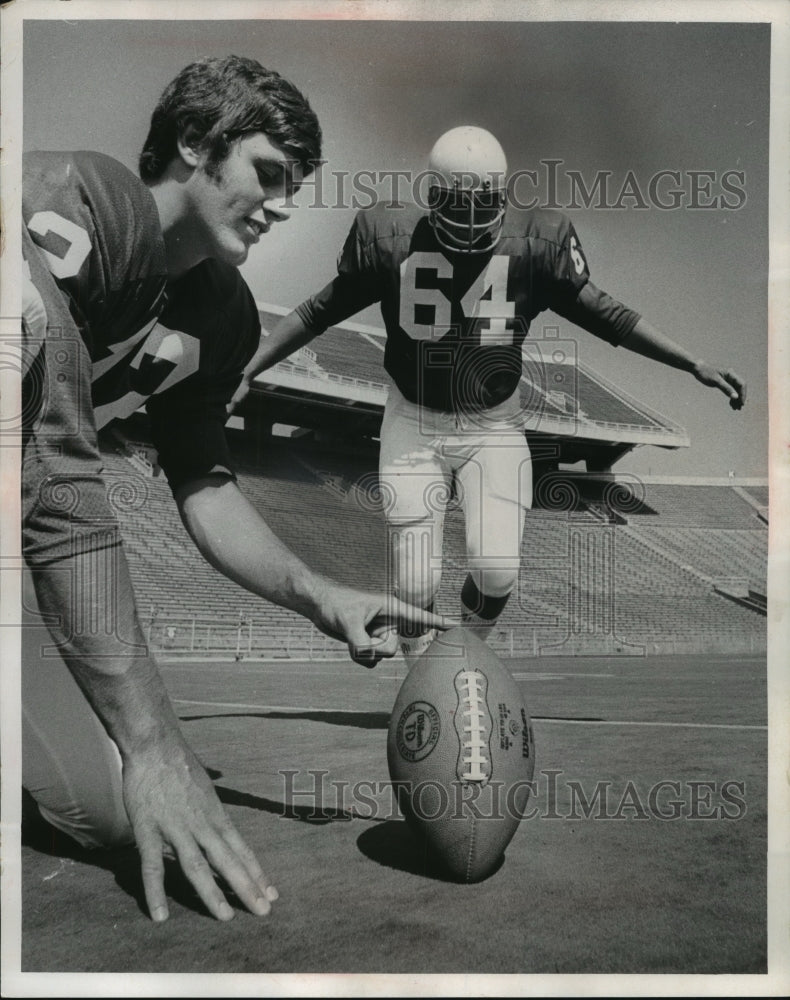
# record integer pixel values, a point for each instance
(468, 193)
(467, 220)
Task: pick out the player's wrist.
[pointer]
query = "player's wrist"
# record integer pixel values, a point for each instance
(137, 712)
(153, 741)
(310, 595)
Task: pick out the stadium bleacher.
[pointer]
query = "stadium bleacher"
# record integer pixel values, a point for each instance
(594, 400)
(585, 582)
(759, 493)
(608, 560)
(699, 506)
(343, 352)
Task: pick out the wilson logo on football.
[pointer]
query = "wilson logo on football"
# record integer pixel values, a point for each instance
(473, 725)
(418, 731)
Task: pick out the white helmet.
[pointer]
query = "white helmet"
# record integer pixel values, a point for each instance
(468, 191)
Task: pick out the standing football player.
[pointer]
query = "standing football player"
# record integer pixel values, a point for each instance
(132, 297)
(459, 286)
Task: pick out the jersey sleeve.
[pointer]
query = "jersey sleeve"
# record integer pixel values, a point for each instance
(565, 266)
(94, 268)
(97, 228)
(356, 286)
(574, 297)
(65, 507)
(188, 420)
(601, 315)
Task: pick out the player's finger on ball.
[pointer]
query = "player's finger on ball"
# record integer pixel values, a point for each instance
(442, 622)
(408, 614)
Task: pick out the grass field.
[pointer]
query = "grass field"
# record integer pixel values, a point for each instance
(645, 853)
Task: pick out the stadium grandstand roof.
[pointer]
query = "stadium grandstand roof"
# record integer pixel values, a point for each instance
(561, 397)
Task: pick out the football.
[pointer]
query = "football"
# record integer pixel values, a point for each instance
(461, 754)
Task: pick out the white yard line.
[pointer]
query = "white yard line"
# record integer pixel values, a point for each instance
(554, 676)
(297, 709)
(671, 725)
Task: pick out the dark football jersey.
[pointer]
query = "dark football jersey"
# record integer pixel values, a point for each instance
(191, 364)
(179, 347)
(97, 228)
(455, 322)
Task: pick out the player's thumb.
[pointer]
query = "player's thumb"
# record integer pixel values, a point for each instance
(367, 649)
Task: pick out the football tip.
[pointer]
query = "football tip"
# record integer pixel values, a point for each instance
(460, 638)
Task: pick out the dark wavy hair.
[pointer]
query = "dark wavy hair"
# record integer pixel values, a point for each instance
(223, 99)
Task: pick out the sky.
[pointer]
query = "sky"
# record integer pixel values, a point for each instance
(630, 99)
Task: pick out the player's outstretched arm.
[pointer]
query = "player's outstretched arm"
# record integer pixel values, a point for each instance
(236, 540)
(288, 336)
(169, 799)
(646, 340)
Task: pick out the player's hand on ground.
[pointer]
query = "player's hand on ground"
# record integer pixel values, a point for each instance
(730, 383)
(238, 396)
(369, 622)
(172, 805)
